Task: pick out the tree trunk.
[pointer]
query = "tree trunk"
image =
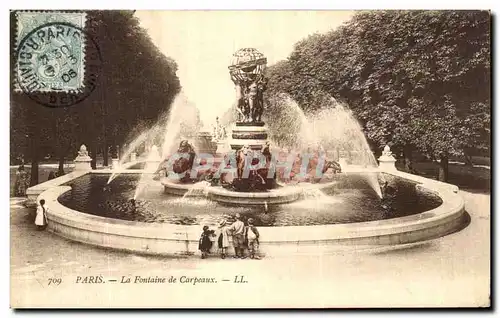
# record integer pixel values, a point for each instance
(93, 154)
(443, 167)
(105, 154)
(34, 157)
(34, 172)
(467, 157)
(408, 154)
(113, 151)
(60, 171)
(34, 163)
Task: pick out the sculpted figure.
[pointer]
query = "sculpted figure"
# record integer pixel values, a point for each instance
(161, 167)
(257, 180)
(264, 172)
(83, 151)
(335, 166)
(247, 73)
(241, 103)
(252, 97)
(259, 107)
(184, 164)
(240, 160)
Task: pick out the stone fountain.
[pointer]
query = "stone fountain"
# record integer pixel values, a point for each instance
(245, 169)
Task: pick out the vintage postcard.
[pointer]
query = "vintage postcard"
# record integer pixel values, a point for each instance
(250, 159)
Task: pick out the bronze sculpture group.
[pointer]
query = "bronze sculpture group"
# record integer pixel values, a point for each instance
(250, 99)
(250, 174)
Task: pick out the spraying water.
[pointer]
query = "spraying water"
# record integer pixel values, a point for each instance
(151, 165)
(180, 121)
(345, 131)
(197, 188)
(183, 122)
(290, 130)
(138, 141)
(331, 125)
(316, 199)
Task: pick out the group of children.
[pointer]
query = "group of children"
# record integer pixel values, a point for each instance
(244, 237)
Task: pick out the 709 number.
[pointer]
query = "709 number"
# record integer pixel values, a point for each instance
(55, 281)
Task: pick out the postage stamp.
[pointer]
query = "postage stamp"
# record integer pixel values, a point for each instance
(51, 51)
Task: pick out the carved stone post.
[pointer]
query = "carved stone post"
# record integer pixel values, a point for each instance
(115, 163)
(83, 160)
(387, 161)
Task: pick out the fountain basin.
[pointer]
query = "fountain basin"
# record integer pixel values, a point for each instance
(172, 187)
(219, 194)
(275, 196)
(172, 239)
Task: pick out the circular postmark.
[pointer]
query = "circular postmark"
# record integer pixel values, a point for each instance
(58, 64)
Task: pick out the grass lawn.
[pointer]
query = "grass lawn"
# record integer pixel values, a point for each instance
(472, 179)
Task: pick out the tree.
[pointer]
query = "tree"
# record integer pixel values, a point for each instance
(414, 79)
(136, 84)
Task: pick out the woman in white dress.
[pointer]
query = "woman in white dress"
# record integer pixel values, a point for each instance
(41, 215)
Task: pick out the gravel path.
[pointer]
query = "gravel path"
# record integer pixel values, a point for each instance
(449, 271)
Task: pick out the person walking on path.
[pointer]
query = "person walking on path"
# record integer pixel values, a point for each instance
(237, 230)
(41, 215)
(21, 183)
(52, 175)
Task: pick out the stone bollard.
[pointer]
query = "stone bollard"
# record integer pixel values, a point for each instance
(133, 156)
(115, 164)
(83, 161)
(387, 161)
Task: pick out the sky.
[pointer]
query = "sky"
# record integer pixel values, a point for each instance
(203, 42)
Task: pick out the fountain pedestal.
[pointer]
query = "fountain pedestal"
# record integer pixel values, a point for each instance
(252, 134)
(386, 161)
(82, 161)
(222, 148)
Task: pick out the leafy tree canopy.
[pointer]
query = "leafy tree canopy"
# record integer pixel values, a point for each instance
(418, 79)
(137, 84)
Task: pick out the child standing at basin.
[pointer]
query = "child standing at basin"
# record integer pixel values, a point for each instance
(223, 239)
(253, 239)
(237, 229)
(205, 244)
(41, 217)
